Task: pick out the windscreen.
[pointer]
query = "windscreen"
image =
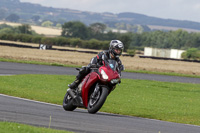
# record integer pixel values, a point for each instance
(113, 64)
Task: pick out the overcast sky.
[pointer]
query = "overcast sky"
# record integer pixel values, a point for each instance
(167, 9)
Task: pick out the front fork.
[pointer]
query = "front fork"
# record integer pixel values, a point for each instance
(96, 90)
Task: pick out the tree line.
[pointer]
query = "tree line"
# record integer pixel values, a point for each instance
(178, 39)
(95, 35)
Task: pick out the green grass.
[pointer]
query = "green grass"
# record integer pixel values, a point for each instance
(10, 127)
(47, 88)
(35, 62)
(175, 102)
(134, 71)
(163, 73)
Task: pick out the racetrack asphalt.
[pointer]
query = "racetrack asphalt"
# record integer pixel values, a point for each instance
(7, 68)
(80, 121)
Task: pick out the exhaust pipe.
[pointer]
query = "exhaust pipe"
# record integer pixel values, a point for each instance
(71, 93)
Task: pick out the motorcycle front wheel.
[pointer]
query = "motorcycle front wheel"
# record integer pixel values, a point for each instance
(68, 103)
(97, 99)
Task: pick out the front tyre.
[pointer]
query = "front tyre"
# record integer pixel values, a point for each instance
(97, 99)
(68, 103)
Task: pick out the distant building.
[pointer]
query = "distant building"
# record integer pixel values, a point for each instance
(164, 53)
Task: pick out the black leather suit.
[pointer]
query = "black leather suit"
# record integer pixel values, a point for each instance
(97, 60)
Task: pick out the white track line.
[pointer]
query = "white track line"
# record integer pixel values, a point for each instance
(30, 100)
(6, 74)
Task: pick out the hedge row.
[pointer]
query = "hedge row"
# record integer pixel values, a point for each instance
(191, 54)
(58, 41)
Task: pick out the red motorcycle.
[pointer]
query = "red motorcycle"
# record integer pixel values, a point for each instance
(94, 88)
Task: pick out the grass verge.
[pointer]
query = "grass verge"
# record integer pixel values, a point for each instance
(57, 64)
(10, 127)
(175, 102)
(163, 73)
(35, 62)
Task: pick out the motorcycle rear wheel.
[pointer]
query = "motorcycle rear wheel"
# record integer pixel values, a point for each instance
(97, 101)
(68, 103)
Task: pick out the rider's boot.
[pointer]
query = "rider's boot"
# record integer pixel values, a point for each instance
(82, 73)
(74, 84)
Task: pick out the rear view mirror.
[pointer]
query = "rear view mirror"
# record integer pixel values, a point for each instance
(122, 68)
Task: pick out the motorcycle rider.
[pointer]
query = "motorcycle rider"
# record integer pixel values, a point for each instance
(115, 50)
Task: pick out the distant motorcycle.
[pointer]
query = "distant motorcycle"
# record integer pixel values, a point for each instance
(94, 88)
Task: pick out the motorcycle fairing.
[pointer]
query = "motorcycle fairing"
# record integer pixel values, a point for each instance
(89, 80)
(111, 74)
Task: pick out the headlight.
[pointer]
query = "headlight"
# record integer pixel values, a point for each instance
(104, 75)
(114, 81)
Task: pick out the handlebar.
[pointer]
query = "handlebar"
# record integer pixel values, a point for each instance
(95, 66)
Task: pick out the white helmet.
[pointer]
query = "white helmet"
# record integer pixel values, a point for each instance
(116, 44)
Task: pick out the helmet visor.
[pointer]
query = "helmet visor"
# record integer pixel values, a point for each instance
(118, 51)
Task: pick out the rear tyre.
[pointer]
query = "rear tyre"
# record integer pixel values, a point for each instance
(68, 103)
(97, 100)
